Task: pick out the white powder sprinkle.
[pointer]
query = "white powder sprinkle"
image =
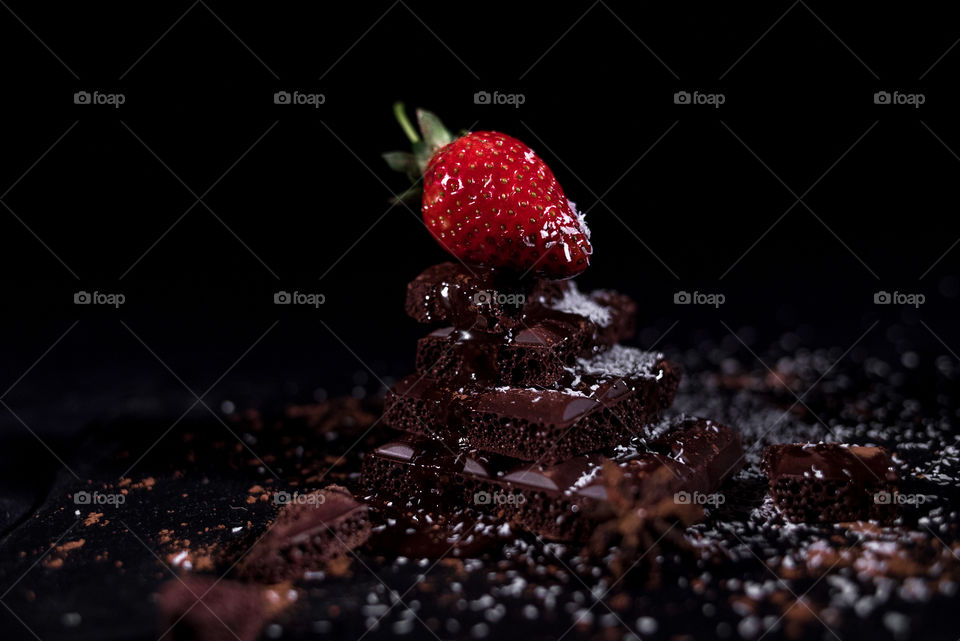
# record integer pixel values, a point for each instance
(621, 361)
(573, 302)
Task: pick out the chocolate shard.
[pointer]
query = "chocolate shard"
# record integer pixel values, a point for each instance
(714, 450)
(201, 607)
(600, 403)
(831, 482)
(310, 531)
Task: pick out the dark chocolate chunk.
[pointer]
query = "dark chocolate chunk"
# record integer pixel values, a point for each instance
(534, 355)
(488, 301)
(623, 316)
(713, 450)
(613, 314)
(829, 483)
(309, 532)
(601, 402)
(475, 299)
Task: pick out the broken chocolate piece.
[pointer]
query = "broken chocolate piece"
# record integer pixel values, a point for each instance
(830, 482)
(534, 355)
(489, 301)
(309, 532)
(475, 299)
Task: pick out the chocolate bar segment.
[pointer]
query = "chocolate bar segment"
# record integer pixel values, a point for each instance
(603, 400)
(475, 299)
(561, 501)
(536, 355)
(831, 482)
(310, 531)
(489, 301)
(613, 314)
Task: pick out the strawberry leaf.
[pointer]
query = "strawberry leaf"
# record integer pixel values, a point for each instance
(403, 161)
(435, 135)
(422, 152)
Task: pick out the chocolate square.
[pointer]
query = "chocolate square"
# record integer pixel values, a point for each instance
(830, 482)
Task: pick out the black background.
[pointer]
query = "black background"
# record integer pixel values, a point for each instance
(105, 199)
(797, 199)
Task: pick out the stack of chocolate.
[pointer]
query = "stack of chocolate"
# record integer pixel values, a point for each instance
(523, 399)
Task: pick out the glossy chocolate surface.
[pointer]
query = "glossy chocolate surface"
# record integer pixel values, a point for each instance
(829, 461)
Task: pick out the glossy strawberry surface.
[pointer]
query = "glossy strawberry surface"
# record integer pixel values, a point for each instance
(491, 201)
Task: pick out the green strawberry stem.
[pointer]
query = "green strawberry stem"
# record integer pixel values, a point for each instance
(435, 136)
(400, 113)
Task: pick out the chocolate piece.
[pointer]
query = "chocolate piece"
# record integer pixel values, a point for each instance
(488, 301)
(536, 355)
(536, 352)
(830, 483)
(561, 501)
(600, 403)
(713, 450)
(201, 607)
(474, 299)
(310, 531)
(613, 314)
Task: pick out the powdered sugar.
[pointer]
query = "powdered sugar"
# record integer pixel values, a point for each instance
(581, 219)
(622, 361)
(574, 302)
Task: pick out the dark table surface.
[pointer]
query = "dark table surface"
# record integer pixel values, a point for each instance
(88, 571)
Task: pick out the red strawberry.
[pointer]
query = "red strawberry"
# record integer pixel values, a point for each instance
(489, 200)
